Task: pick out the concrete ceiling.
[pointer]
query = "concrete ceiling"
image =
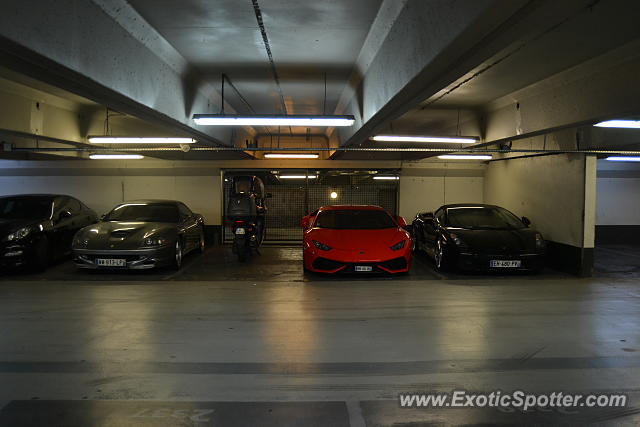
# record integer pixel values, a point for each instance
(307, 40)
(400, 66)
(559, 41)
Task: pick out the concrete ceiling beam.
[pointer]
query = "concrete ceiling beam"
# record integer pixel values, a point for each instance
(600, 89)
(106, 52)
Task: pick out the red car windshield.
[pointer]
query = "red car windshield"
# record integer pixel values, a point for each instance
(354, 219)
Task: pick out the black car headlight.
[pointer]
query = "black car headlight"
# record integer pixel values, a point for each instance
(155, 241)
(20, 234)
(456, 239)
(540, 243)
(321, 246)
(398, 245)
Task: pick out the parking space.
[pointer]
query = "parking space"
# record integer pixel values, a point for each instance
(272, 263)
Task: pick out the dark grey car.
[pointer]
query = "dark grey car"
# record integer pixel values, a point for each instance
(38, 228)
(140, 234)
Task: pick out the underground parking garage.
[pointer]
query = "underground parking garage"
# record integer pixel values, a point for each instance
(338, 213)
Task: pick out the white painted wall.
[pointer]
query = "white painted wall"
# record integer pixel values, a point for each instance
(618, 201)
(550, 190)
(101, 193)
(428, 193)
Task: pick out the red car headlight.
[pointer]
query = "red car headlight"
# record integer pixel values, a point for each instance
(321, 246)
(398, 245)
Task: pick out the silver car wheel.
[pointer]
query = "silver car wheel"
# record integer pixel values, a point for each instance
(439, 254)
(178, 253)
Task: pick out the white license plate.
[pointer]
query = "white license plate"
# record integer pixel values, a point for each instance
(111, 262)
(364, 268)
(240, 230)
(505, 264)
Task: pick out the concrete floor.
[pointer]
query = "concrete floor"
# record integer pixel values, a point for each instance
(261, 344)
(621, 261)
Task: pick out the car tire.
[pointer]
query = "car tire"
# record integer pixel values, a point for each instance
(41, 255)
(178, 255)
(201, 242)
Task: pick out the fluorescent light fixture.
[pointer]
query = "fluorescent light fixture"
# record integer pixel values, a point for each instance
(465, 157)
(626, 124)
(135, 140)
(624, 159)
(438, 139)
(387, 178)
(290, 156)
(115, 156)
(297, 176)
(272, 120)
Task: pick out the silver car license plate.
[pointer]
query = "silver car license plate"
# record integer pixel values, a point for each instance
(364, 268)
(111, 262)
(240, 231)
(494, 263)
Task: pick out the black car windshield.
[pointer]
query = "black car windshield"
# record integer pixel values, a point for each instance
(487, 218)
(354, 219)
(143, 212)
(25, 207)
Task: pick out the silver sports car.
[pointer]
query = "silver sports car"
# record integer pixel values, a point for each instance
(141, 234)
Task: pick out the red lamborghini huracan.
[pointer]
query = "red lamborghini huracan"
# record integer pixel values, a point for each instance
(355, 239)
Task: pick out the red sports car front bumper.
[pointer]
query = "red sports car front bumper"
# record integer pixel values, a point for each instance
(342, 261)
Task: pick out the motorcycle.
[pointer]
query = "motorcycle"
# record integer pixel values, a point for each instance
(246, 212)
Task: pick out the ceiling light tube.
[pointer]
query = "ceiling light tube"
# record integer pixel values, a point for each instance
(389, 178)
(271, 120)
(437, 139)
(624, 124)
(290, 156)
(115, 156)
(465, 157)
(297, 176)
(138, 140)
(623, 159)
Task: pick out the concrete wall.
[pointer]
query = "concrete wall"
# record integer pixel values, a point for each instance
(548, 190)
(558, 194)
(618, 190)
(618, 203)
(101, 193)
(428, 184)
(427, 193)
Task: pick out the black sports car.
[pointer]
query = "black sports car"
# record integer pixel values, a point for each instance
(140, 235)
(478, 237)
(34, 229)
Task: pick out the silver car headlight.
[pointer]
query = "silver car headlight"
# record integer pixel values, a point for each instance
(155, 241)
(80, 241)
(19, 234)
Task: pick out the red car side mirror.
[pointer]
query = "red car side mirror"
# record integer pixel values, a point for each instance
(304, 223)
(401, 222)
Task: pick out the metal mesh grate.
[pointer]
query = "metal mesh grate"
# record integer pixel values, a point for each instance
(291, 201)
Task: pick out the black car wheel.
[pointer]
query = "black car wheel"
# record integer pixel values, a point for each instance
(177, 259)
(202, 243)
(41, 256)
